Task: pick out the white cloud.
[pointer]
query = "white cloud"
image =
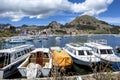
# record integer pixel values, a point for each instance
(91, 7)
(17, 9)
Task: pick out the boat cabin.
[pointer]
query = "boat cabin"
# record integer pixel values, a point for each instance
(78, 50)
(100, 49)
(8, 56)
(39, 57)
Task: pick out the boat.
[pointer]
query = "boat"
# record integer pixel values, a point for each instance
(103, 51)
(81, 55)
(58, 38)
(16, 40)
(28, 38)
(11, 58)
(117, 49)
(41, 57)
(61, 59)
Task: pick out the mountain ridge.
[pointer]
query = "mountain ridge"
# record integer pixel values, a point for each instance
(80, 25)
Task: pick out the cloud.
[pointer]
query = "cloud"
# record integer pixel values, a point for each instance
(18, 9)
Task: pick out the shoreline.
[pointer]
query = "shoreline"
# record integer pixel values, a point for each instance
(93, 76)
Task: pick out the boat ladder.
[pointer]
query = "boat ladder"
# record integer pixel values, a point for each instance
(6, 61)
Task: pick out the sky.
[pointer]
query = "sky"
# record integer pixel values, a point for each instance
(42, 12)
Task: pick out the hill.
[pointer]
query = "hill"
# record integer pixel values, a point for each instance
(80, 25)
(89, 24)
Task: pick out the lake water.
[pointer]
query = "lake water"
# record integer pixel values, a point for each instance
(112, 40)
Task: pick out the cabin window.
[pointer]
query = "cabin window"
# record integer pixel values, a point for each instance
(74, 52)
(30, 50)
(97, 51)
(103, 51)
(89, 53)
(69, 49)
(109, 51)
(17, 55)
(80, 52)
(26, 51)
(22, 52)
(46, 55)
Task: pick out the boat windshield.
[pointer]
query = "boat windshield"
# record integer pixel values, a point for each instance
(80, 52)
(106, 51)
(89, 53)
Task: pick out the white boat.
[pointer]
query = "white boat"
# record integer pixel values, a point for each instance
(58, 38)
(11, 58)
(16, 40)
(81, 55)
(39, 56)
(103, 51)
(27, 38)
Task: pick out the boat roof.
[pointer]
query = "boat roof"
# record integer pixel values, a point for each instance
(55, 48)
(78, 47)
(98, 46)
(41, 49)
(16, 49)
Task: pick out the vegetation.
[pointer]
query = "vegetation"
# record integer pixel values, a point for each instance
(5, 33)
(60, 32)
(100, 71)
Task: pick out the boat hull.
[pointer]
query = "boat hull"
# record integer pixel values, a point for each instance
(45, 72)
(45, 63)
(9, 71)
(81, 62)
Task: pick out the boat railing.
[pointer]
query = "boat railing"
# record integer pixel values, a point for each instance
(100, 41)
(78, 44)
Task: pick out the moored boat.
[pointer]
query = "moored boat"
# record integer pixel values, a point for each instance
(16, 40)
(103, 51)
(61, 58)
(11, 58)
(80, 54)
(40, 56)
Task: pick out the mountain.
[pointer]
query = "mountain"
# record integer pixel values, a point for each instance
(86, 20)
(89, 24)
(54, 24)
(80, 25)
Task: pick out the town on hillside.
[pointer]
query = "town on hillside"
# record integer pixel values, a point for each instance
(80, 25)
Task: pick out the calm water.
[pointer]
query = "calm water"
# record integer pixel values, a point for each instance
(112, 40)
